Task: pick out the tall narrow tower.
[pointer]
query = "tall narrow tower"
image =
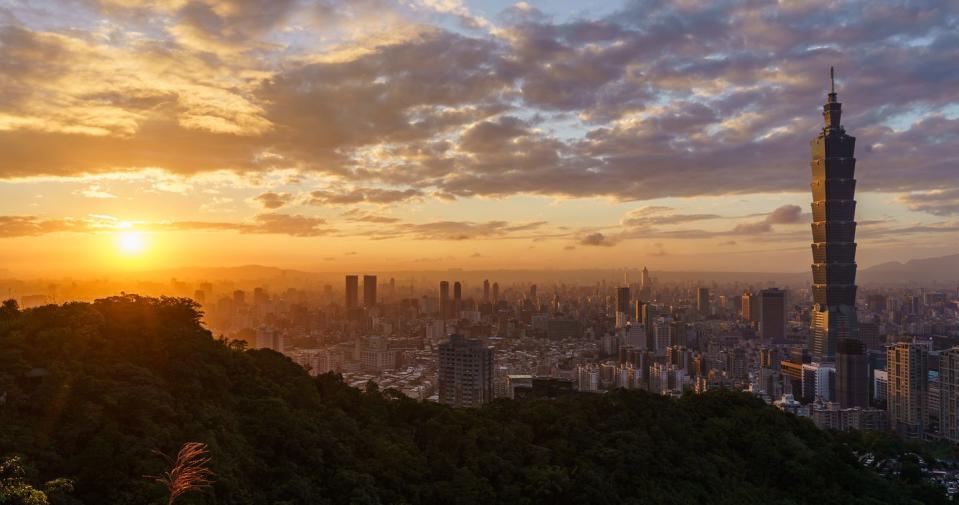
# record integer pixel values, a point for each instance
(834, 233)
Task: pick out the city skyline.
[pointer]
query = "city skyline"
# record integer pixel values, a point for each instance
(562, 135)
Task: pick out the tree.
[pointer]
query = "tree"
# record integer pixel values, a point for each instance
(14, 490)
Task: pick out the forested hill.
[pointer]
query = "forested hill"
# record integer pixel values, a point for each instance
(88, 391)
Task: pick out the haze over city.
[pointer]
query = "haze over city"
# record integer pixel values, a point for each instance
(368, 135)
(278, 252)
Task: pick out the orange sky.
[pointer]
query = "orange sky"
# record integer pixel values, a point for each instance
(474, 134)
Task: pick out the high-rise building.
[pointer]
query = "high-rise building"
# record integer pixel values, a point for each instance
(486, 298)
(622, 306)
(834, 234)
(495, 292)
(852, 374)
(818, 382)
(908, 376)
(465, 377)
(702, 301)
(949, 394)
(645, 286)
(747, 306)
(445, 308)
(772, 314)
(622, 299)
(457, 298)
(369, 291)
(869, 334)
(352, 291)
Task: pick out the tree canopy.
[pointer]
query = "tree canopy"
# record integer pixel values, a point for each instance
(92, 390)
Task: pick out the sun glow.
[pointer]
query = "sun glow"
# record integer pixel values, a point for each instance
(131, 243)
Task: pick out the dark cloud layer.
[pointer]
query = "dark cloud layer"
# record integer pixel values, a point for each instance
(663, 100)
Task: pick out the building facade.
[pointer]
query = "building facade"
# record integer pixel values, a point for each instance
(772, 314)
(852, 374)
(908, 375)
(949, 394)
(465, 377)
(834, 234)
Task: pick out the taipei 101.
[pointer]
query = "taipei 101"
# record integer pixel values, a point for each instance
(490, 252)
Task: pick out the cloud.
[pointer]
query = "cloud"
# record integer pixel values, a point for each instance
(29, 226)
(272, 201)
(660, 99)
(658, 215)
(457, 230)
(939, 202)
(597, 239)
(97, 192)
(787, 214)
(363, 195)
(357, 215)
(271, 224)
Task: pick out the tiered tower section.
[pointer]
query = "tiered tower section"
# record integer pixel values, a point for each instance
(834, 234)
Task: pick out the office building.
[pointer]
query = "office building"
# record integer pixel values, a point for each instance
(702, 301)
(352, 291)
(750, 307)
(818, 382)
(457, 299)
(834, 234)
(772, 314)
(908, 376)
(645, 286)
(622, 306)
(949, 394)
(369, 291)
(465, 376)
(869, 335)
(445, 305)
(852, 374)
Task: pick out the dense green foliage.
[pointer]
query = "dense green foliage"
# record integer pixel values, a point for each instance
(91, 389)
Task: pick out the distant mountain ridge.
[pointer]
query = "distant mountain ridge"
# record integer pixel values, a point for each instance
(941, 269)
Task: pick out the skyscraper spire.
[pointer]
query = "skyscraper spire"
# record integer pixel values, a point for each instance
(834, 232)
(832, 110)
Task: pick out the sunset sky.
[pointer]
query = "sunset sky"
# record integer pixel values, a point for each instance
(421, 134)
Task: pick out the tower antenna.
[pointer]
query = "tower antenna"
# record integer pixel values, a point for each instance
(832, 80)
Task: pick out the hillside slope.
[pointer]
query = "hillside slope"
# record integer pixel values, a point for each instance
(92, 389)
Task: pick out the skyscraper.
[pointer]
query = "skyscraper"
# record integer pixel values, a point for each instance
(486, 291)
(369, 291)
(495, 292)
(352, 291)
(907, 368)
(622, 306)
(852, 374)
(702, 301)
(949, 401)
(747, 306)
(465, 376)
(834, 233)
(445, 310)
(457, 298)
(645, 286)
(772, 314)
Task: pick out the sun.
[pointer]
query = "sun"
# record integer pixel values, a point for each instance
(131, 243)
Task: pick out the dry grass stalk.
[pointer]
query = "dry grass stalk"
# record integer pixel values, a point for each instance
(188, 472)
